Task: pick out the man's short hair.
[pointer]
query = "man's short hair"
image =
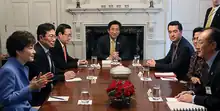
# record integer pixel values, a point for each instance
(173, 23)
(61, 28)
(214, 36)
(197, 29)
(43, 28)
(114, 22)
(18, 41)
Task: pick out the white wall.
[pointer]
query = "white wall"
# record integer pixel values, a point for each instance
(189, 12)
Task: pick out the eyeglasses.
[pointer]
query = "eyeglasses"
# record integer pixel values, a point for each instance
(68, 35)
(51, 36)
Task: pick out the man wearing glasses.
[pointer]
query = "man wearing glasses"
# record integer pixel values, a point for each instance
(61, 58)
(43, 62)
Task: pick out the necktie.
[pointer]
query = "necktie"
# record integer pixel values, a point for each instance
(52, 68)
(64, 53)
(174, 52)
(112, 47)
(209, 21)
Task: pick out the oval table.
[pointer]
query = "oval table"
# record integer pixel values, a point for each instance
(99, 96)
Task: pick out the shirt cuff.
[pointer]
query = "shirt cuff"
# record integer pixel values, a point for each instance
(78, 63)
(193, 97)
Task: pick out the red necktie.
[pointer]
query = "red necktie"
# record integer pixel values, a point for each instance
(64, 53)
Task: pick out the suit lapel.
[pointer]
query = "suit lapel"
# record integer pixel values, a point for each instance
(39, 49)
(108, 44)
(213, 68)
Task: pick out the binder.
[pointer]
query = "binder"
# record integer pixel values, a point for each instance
(182, 106)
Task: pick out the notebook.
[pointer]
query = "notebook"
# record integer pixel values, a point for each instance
(164, 74)
(175, 105)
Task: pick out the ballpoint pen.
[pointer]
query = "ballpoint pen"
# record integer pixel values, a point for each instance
(55, 97)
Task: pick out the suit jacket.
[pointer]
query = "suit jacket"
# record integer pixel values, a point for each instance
(14, 90)
(180, 65)
(41, 64)
(212, 102)
(58, 57)
(103, 47)
(216, 20)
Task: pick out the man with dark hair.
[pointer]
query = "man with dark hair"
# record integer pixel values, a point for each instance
(178, 58)
(196, 33)
(61, 58)
(113, 45)
(15, 87)
(43, 62)
(212, 17)
(208, 47)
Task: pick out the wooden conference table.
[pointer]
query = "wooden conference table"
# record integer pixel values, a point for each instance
(99, 96)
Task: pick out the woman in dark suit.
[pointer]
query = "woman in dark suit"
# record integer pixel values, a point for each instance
(15, 87)
(196, 63)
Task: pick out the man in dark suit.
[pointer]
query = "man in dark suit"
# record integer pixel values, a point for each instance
(43, 62)
(113, 45)
(208, 94)
(61, 58)
(212, 17)
(178, 58)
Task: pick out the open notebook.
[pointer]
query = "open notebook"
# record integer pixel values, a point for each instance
(174, 105)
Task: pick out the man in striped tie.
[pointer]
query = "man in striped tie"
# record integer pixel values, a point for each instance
(212, 17)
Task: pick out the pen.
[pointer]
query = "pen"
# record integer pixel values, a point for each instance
(55, 97)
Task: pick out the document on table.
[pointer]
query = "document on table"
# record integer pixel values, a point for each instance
(174, 105)
(165, 74)
(74, 79)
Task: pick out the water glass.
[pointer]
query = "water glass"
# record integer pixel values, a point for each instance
(146, 72)
(93, 59)
(85, 94)
(91, 70)
(156, 92)
(136, 59)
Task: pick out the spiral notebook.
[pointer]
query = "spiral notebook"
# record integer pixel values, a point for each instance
(182, 106)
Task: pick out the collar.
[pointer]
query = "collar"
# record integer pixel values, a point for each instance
(216, 8)
(62, 45)
(16, 62)
(211, 60)
(177, 43)
(112, 39)
(44, 48)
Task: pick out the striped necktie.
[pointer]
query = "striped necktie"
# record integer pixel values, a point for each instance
(209, 21)
(112, 47)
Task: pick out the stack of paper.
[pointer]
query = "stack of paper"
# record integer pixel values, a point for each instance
(175, 105)
(106, 63)
(165, 74)
(169, 78)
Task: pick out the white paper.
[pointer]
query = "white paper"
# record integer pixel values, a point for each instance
(74, 79)
(106, 62)
(145, 79)
(140, 74)
(136, 65)
(183, 105)
(85, 65)
(171, 100)
(58, 98)
(155, 100)
(84, 102)
(91, 77)
(169, 78)
(164, 74)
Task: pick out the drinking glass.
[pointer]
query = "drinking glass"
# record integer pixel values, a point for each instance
(93, 59)
(156, 92)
